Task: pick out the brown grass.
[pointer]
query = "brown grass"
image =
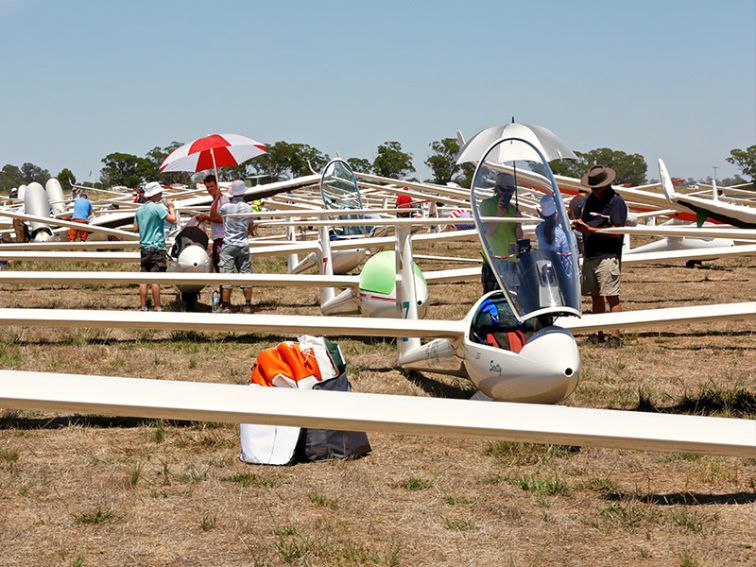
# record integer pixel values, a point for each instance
(106, 491)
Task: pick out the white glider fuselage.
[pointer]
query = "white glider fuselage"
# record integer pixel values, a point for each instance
(545, 371)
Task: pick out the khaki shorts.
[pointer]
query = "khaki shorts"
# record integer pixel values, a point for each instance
(601, 276)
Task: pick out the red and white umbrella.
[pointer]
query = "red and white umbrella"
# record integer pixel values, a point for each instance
(212, 152)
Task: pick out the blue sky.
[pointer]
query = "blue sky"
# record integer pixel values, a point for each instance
(674, 79)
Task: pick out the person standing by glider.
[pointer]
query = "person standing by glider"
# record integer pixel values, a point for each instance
(148, 222)
(82, 210)
(235, 250)
(217, 232)
(603, 208)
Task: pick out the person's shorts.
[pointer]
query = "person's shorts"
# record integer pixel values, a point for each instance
(215, 255)
(153, 260)
(235, 257)
(601, 276)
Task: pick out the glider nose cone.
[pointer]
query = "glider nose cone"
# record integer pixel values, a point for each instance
(194, 259)
(554, 350)
(545, 371)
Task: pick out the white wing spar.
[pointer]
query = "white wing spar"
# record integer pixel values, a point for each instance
(79, 226)
(186, 278)
(93, 245)
(42, 253)
(349, 326)
(680, 231)
(378, 412)
(453, 275)
(371, 242)
(69, 256)
(646, 318)
(222, 322)
(178, 278)
(689, 254)
(461, 274)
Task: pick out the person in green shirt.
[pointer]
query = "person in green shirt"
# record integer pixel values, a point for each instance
(501, 237)
(148, 222)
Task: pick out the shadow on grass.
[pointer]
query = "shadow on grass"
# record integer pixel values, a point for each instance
(668, 334)
(439, 389)
(730, 348)
(176, 337)
(687, 498)
(709, 401)
(680, 300)
(93, 421)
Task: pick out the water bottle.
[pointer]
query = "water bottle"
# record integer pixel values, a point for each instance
(216, 300)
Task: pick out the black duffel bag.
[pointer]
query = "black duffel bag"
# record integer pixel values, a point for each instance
(328, 444)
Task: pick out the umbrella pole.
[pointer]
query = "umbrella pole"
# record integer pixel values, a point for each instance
(215, 167)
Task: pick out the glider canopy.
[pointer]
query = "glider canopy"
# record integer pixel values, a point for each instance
(513, 185)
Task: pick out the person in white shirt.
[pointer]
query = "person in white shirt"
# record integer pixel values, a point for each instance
(551, 236)
(214, 218)
(235, 250)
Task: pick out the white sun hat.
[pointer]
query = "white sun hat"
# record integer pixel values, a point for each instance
(151, 189)
(238, 188)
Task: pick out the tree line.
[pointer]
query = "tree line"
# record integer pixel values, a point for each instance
(286, 160)
(13, 176)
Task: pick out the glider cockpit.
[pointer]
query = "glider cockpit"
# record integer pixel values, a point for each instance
(537, 269)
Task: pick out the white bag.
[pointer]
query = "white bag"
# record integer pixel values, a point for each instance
(268, 444)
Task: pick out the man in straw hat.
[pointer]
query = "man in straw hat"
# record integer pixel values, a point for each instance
(603, 208)
(148, 222)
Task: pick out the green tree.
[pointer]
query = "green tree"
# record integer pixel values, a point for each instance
(33, 173)
(360, 165)
(285, 160)
(305, 159)
(391, 161)
(745, 161)
(570, 167)
(10, 176)
(730, 181)
(125, 169)
(275, 162)
(630, 168)
(233, 173)
(442, 160)
(66, 178)
(155, 157)
(464, 179)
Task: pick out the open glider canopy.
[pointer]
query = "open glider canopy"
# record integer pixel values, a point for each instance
(539, 274)
(339, 189)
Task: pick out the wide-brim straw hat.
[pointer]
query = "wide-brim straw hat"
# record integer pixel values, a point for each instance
(598, 176)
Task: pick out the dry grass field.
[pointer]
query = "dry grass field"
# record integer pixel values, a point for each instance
(114, 491)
